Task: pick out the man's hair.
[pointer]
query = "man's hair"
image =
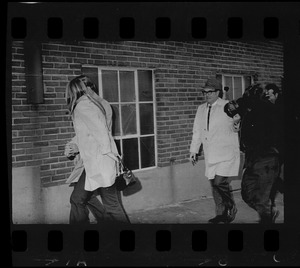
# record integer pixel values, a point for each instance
(272, 86)
(254, 91)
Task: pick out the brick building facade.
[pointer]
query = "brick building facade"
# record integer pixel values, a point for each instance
(179, 69)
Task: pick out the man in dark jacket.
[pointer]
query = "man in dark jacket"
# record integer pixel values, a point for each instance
(259, 143)
(275, 100)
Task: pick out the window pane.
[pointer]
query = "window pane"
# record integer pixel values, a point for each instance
(127, 86)
(237, 87)
(146, 118)
(147, 152)
(118, 143)
(219, 78)
(92, 73)
(228, 83)
(110, 85)
(128, 119)
(130, 153)
(145, 85)
(115, 120)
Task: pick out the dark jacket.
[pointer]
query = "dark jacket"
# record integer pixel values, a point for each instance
(279, 132)
(260, 127)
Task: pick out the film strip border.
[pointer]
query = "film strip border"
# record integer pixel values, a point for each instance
(155, 245)
(183, 245)
(127, 28)
(153, 21)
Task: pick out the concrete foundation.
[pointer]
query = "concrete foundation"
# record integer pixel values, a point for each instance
(156, 187)
(27, 202)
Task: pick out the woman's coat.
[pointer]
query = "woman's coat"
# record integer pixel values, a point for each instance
(220, 142)
(94, 140)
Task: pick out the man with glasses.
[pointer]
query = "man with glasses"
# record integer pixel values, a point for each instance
(217, 132)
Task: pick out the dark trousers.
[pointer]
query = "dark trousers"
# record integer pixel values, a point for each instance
(82, 201)
(278, 186)
(258, 181)
(222, 194)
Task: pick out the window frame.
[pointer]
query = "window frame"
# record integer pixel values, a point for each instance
(243, 77)
(138, 135)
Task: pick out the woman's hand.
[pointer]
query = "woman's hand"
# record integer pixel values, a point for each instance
(193, 158)
(71, 149)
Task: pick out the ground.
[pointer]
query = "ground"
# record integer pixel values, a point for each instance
(200, 211)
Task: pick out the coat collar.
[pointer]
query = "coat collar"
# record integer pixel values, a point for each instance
(217, 102)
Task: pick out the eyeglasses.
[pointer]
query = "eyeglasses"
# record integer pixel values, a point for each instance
(208, 93)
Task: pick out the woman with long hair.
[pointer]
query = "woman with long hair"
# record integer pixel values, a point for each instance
(97, 159)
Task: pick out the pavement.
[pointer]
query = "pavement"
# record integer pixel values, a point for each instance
(200, 211)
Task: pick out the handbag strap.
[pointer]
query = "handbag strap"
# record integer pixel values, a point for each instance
(121, 165)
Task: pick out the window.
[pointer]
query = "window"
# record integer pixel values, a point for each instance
(236, 85)
(131, 96)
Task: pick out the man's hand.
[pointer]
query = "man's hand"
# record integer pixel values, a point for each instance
(236, 119)
(193, 158)
(236, 122)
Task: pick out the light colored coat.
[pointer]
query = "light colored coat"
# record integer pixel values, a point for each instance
(220, 143)
(94, 141)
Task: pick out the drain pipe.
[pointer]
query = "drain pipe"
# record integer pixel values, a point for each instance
(33, 72)
(172, 180)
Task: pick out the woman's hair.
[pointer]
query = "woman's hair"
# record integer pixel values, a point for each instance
(79, 86)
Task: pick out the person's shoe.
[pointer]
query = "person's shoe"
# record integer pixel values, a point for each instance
(229, 214)
(265, 219)
(269, 218)
(275, 215)
(217, 219)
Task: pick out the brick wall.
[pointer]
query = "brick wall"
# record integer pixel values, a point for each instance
(39, 132)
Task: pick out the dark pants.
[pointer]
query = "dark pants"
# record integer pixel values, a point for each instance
(82, 201)
(258, 181)
(222, 194)
(278, 186)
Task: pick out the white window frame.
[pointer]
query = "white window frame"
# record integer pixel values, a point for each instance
(232, 77)
(137, 102)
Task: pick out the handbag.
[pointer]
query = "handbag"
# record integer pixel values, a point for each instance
(126, 177)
